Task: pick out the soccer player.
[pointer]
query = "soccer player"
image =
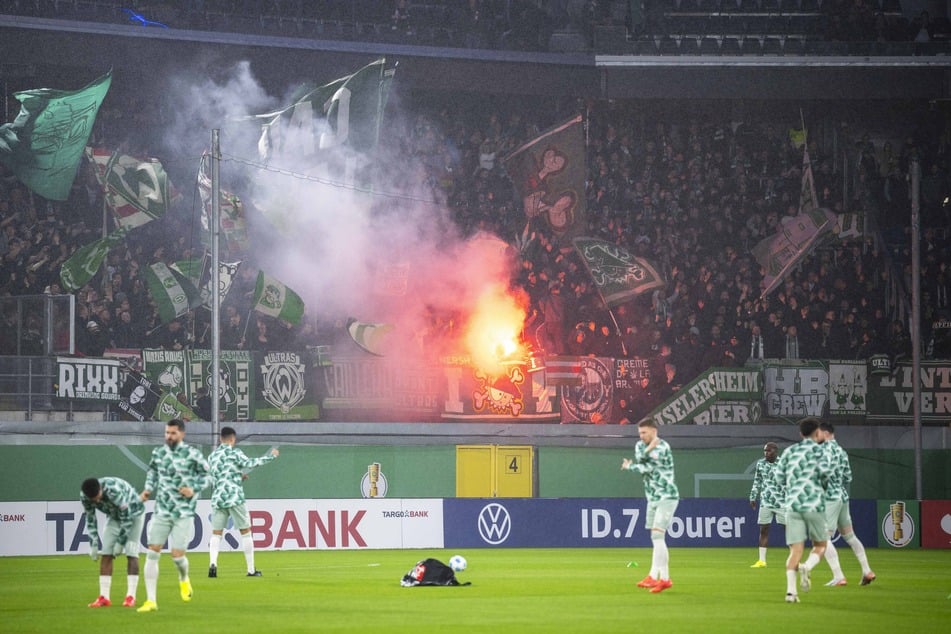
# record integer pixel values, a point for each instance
(769, 497)
(655, 462)
(229, 466)
(802, 472)
(176, 474)
(125, 513)
(837, 509)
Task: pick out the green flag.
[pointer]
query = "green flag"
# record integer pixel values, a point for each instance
(45, 142)
(272, 297)
(136, 190)
(170, 407)
(85, 262)
(173, 293)
(618, 274)
(199, 275)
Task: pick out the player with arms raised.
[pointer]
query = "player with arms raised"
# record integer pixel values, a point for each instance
(228, 468)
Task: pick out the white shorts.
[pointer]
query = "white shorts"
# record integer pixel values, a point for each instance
(239, 513)
(660, 514)
(110, 534)
(177, 530)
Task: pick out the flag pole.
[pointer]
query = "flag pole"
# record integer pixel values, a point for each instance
(617, 328)
(915, 174)
(215, 293)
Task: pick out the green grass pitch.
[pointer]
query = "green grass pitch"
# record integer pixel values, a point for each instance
(513, 590)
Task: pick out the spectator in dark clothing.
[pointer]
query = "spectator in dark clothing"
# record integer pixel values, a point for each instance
(551, 335)
(171, 336)
(203, 404)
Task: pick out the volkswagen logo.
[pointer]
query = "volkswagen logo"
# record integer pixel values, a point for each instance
(495, 523)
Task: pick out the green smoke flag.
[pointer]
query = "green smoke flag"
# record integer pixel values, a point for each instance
(173, 293)
(272, 297)
(618, 275)
(85, 262)
(44, 144)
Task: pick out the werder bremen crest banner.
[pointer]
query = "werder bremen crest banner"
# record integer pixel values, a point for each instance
(264, 386)
(285, 387)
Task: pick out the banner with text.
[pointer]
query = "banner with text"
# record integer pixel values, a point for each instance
(59, 528)
(612, 522)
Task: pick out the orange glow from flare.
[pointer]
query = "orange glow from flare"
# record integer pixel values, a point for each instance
(494, 328)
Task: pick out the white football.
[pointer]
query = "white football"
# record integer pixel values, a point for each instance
(458, 563)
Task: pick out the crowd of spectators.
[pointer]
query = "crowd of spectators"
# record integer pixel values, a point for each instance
(691, 189)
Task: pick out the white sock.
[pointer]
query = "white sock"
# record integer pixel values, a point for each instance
(247, 545)
(859, 551)
(105, 585)
(811, 561)
(661, 555)
(832, 556)
(182, 564)
(762, 553)
(151, 575)
(132, 584)
(213, 547)
(791, 582)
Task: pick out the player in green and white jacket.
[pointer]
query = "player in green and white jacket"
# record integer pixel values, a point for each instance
(803, 473)
(125, 513)
(838, 516)
(655, 462)
(766, 493)
(177, 473)
(229, 467)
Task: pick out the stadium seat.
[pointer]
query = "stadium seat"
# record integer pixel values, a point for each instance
(645, 46)
(772, 46)
(731, 46)
(709, 45)
(794, 46)
(690, 45)
(667, 45)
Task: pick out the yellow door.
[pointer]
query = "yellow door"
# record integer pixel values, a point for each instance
(474, 470)
(514, 471)
(484, 471)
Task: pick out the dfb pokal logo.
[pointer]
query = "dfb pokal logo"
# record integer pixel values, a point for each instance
(898, 527)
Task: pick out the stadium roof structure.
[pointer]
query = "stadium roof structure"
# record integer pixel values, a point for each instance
(33, 42)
